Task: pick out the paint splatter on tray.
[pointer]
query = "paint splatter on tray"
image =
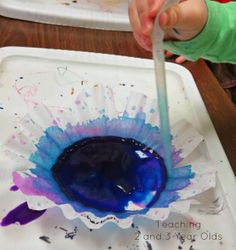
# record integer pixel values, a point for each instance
(105, 165)
(112, 6)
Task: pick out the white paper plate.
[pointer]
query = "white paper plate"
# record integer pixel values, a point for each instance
(30, 75)
(99, 14)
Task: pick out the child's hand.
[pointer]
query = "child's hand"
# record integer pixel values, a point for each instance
(182, 21)
(178, 59)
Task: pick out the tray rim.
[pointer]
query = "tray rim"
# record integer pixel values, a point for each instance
(225, 173)
(68, 17)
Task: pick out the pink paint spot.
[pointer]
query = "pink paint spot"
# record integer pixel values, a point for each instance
(27, 93)
(54, 123)
(193, 221)
(78, 102)
(141, 109)
(22, 142)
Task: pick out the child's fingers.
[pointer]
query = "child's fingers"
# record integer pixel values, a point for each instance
(155, 7)
(170, 17)
(185, 20)
(168, 54)
(143, 13)
(134, 18)
(143, 41)
(180, 59)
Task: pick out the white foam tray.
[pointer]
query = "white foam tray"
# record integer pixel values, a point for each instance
(99, 14)
(55, 77)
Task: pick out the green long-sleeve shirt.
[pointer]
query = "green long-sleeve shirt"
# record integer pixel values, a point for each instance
(217, 41)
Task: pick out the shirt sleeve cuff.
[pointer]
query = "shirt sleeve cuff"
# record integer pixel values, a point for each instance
(197, 47)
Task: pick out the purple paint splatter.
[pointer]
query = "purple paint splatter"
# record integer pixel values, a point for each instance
(14, 188)
(22, 215)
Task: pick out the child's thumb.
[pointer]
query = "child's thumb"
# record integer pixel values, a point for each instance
(170, 18)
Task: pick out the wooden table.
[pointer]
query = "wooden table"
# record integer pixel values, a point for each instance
(221, 110)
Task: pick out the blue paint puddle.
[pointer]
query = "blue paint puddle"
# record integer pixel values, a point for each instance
(111, 173)
(22, 215)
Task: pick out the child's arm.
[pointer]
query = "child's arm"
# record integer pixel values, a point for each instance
(205, 30)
